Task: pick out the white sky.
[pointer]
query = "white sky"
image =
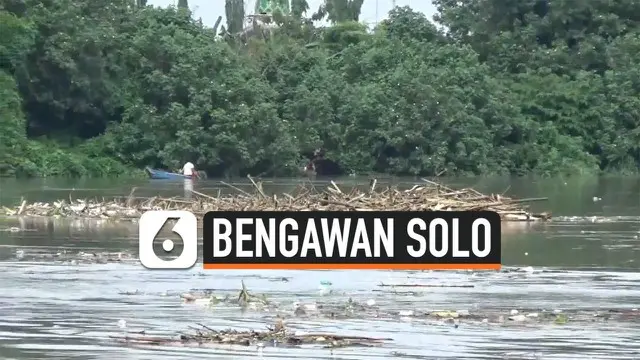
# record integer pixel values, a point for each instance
(373, 11)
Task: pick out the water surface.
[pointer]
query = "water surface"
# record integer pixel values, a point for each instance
(587, 259)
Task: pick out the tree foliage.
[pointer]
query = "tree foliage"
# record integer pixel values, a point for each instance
(511, 87)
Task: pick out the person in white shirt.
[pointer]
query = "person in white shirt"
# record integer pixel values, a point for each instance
(189, 170)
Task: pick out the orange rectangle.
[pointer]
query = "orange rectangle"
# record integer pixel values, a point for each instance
(223, 266)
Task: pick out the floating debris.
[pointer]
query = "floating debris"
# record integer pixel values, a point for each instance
(72, 257)
(243, 299)
(325, 287)
(427, 285)
(78, 209)
(277, 335)
(429, 196)
(335, 308)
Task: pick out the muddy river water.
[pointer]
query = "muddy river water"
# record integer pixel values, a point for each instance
(570, 289)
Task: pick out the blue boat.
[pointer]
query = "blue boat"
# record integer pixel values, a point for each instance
(163, 175)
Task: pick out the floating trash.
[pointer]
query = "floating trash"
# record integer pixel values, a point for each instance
(274, 337)
(428, 196)
(325, 287)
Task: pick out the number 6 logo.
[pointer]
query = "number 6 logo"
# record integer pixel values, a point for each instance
(187, 228)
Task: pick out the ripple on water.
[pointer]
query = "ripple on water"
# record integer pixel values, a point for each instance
(72, 311)
(67, 311)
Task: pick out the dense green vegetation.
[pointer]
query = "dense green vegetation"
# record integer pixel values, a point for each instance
(526, 86)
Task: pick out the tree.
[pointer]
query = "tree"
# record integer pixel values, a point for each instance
(516, 35)
(299, 8)
(338, 11)
(511, 87)
(234, 11)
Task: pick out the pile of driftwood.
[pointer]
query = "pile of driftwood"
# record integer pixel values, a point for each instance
(273, 336)
(429, 196)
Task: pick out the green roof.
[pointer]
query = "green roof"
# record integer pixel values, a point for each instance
(270, 6)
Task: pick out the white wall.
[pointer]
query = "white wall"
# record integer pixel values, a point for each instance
(372, 10)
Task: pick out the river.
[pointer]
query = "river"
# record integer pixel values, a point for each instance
(584, 264)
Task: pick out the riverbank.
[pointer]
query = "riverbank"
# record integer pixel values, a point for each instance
(32, 158)
(427, 196)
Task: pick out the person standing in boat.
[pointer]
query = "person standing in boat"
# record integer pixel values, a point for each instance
(310, 169)
(189, 170)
